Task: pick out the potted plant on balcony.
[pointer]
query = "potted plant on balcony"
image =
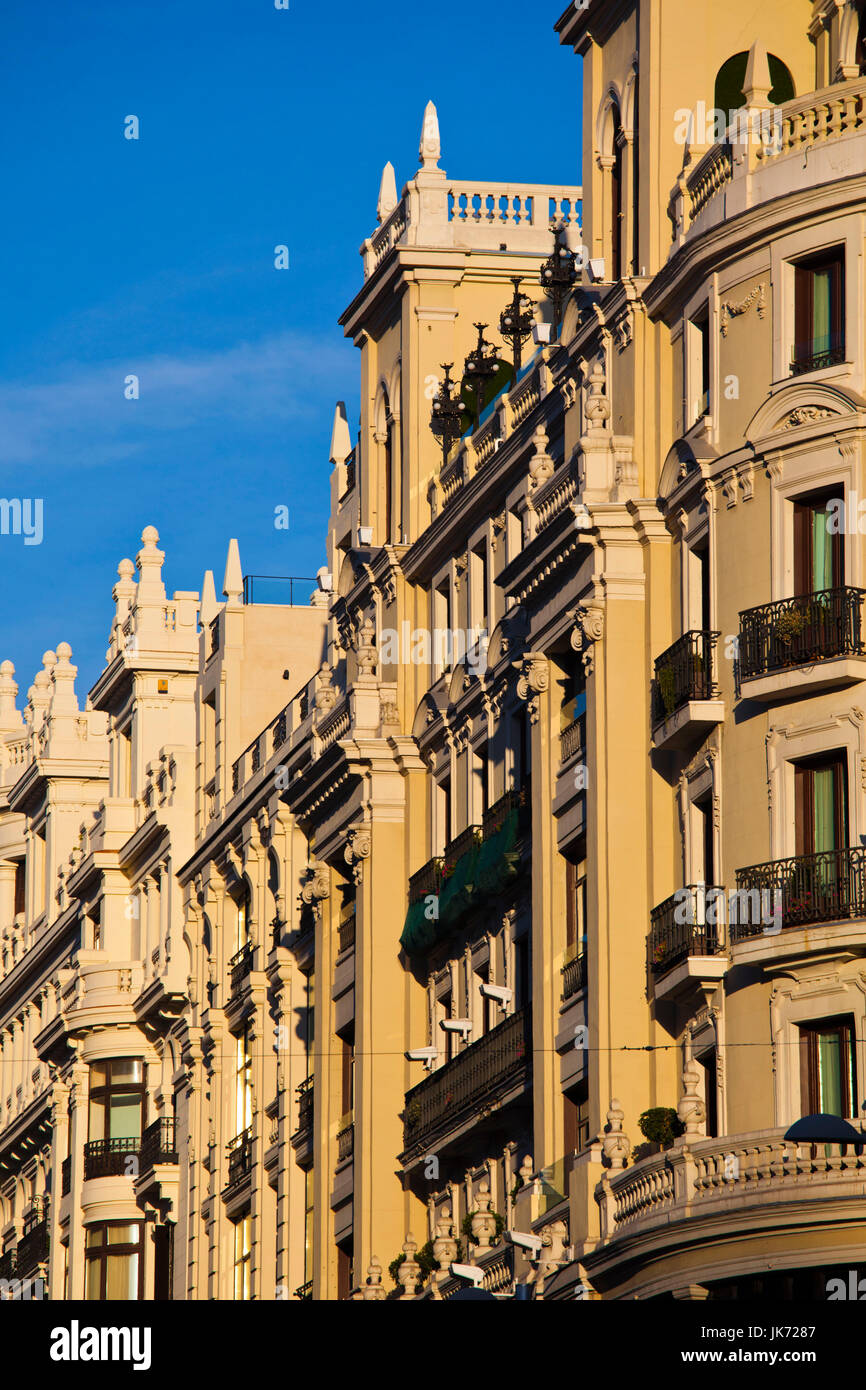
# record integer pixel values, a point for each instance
(789, 625)
(667, 689)
(661, 1127)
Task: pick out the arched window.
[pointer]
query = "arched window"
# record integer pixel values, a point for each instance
(729, 91)
(616, 204)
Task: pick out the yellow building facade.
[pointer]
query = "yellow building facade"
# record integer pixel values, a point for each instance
(486, 910)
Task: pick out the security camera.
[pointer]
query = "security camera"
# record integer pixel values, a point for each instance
(325, 580)
(423, 1054)
(500, 992)
(541, 333)
(458, 1025)
(525, 1241)
(470, 1272)
(596, 269)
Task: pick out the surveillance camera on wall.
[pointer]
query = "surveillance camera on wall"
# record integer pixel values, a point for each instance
(325, 580)
(470, 1272)
(500, 992)
(365, 535)
(541, 333)
(423, 1054)
(525, 1240)
(596, 269)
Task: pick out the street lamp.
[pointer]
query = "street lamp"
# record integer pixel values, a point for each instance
(480, 367)
(446, 421)
(515, 324)
(558, 274)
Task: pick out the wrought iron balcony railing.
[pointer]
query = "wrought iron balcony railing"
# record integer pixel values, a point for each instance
(33, 1245)
(427, 881)
(305, 1292)
(516, 799)
(801, 631)
(679, 927)
(346, 1142)
(158, 1144)
(686, 671)
(240, 966)
(573, 976)
(346, 931)
(499, 1060)
(240, 1152)
(305, 1105)
(572, 739)
(796, 892)
(111, 1158)
(805, 359)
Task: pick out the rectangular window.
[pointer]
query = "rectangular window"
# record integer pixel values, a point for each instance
(700, 376)
(243, 1081)
(819, 313)
(116, 1099)
(480, 616)
(309, 1020)
(819, 555)
(576, 1106)
(243, 1259)
(443, 813)
(112, 1261)
(708, 1063)
(706, 845)
(309, 1209)
(348, 1075)
(345, 1269)
(828, 1082)
(821, 804)
(521, 972)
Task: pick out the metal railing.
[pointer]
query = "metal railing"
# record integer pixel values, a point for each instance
(111, 1158)
(33, 1245)
(804, 359)
(499, 1060)
(686, 671)
(679, 927)
(240, 1152)
(240, 966)
(573, 976)
(346, 931)
(572, 739)
(346, 1142)
(274, 588)
(305, 1292)
(800, 631)
(795, 892)
(158, 1144)
(427, 880)
(515, 800)
(305, 1105)
(459, 846)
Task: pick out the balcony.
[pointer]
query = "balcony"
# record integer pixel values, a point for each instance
(33, 1245)
(685, 696)
(802, 645)
(305, 1292)
(483, 1075)
(158, 1144)
(805, 359)
(794, 899)
(737, 1203)
(240, 1156)
(8, 1264)
(240, 966)
(302, 1139)
(686, 943)
(345, 1142)
(573, 976)
(111, 1158)
(572, 740)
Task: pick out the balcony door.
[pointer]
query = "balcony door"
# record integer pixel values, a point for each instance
(827, 1070)
(819, 887)
(819, 311)
(819, 558)
(117, 1101)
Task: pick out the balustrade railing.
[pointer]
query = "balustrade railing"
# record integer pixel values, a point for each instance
(800, 631)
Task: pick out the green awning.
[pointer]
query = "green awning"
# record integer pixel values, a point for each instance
(497, 863)
(458, 890)
(419, 930)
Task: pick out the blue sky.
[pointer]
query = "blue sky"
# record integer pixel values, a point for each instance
(155, 258)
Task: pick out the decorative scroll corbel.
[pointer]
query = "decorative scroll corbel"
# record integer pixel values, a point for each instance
(358, 841)
(532, 681)
(588, 629)
(316, 885)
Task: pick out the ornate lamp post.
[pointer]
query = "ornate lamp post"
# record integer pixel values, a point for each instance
(558, 274)
(480, 367)
(515, 324)
(446, 419)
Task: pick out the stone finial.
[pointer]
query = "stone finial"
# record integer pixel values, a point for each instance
(233, 580)
(409, 1270)
(387, 194)
(691, 1109)
(151, 589)
(758, 82)
(366, 648)
(341, 440)
(430, 148)
(10, 715)
(615, 1144)
(209, 606)
(63, 697)
(540, 464)
(552, 1256)
(444, 1244)
(374, 1290)
(483, 1221)
(597, 407)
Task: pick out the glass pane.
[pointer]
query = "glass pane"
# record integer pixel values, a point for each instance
(127, 1069)
(121, 1277)
(94, 1236)
(123, 1233)
(824, 780)
(96, 1128)
(822, 284)
(822, 551)
(99, 1074)
(830, 1089)
(92, 1275)
(124, 1117)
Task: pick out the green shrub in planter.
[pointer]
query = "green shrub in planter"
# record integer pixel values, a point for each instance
(661, 1126)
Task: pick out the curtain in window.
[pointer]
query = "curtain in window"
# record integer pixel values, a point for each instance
(822, 551)
(822, 299)
(830, 1085)
(824, 793)
(121, 1277)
